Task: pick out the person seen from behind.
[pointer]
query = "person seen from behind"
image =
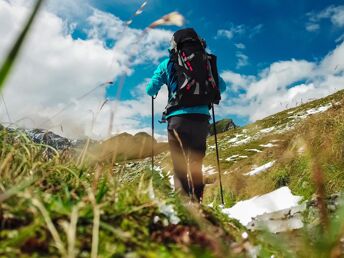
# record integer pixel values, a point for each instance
(193, 83)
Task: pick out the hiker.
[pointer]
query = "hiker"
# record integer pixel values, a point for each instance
(193, 84)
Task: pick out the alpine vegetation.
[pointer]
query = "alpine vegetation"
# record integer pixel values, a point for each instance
(270, 187)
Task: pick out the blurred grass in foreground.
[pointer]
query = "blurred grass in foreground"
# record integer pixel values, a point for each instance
(13, 54)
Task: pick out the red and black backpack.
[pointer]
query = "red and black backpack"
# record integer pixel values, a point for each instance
(195, 70)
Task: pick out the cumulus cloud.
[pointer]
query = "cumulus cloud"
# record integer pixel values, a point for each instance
(54, 69)
(334, 13)
(283, 84)
(236, 80)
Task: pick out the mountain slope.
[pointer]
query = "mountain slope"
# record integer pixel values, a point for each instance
(59, 205)
(293, 142)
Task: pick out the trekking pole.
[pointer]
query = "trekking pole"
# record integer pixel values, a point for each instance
(153, 97)
(217, 154)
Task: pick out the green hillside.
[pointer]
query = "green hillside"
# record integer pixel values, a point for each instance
(63, 204)
(297, 139)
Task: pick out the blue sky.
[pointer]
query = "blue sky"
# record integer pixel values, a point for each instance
(264, 31)
(272, 55)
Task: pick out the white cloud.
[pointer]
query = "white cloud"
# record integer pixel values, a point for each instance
(312, 27)
(255, 30)
(239, 30)
(334, 13)
(225, 33)
(283, 84)
(340, 38)
(240, 46)
(54, 70)
(236, 80)
(242, 60)
(278, 76)
(231, 31)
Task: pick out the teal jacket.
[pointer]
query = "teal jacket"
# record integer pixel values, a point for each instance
(164, 75)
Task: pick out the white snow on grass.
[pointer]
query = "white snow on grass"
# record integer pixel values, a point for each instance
(239, 139)
(285, 127)
(171, 179)
(242, 141)
(212, 147)
(236, 138)
(319, 109)
(169, 211)
(260, 169)
(269, 145)
(254, 150)
(277, 200)
(211, 205)
(236, 157)
(312, 111)
(159, 170)
(166, 209)
(267, 130)
(209, 170)
(279, 221)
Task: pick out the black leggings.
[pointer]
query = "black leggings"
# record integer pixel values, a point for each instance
(191, 132)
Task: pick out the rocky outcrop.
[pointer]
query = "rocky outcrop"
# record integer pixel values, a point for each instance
(41, 136)
(48, 138)
(222, 126)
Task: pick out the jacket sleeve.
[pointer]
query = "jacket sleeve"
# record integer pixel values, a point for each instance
(158, 79)
(222, 84)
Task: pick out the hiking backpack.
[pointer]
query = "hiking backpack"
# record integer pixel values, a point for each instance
(195, 71)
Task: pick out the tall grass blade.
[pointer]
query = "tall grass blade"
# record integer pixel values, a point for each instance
(13, 54)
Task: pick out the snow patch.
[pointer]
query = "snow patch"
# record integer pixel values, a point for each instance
(171, 180)
(254, 150)
(212, 147)
(166, 209)
(267, 130)
(170, 213)
(279, 221)
(269, 145)
(319, 109)
(236, 157)
(159, 170)
(260, 169)
(208, 170)
(312, 111)
(277, 200)
(236, 138)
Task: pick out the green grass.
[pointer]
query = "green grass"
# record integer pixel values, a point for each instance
(52, 204)
(65, 204)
